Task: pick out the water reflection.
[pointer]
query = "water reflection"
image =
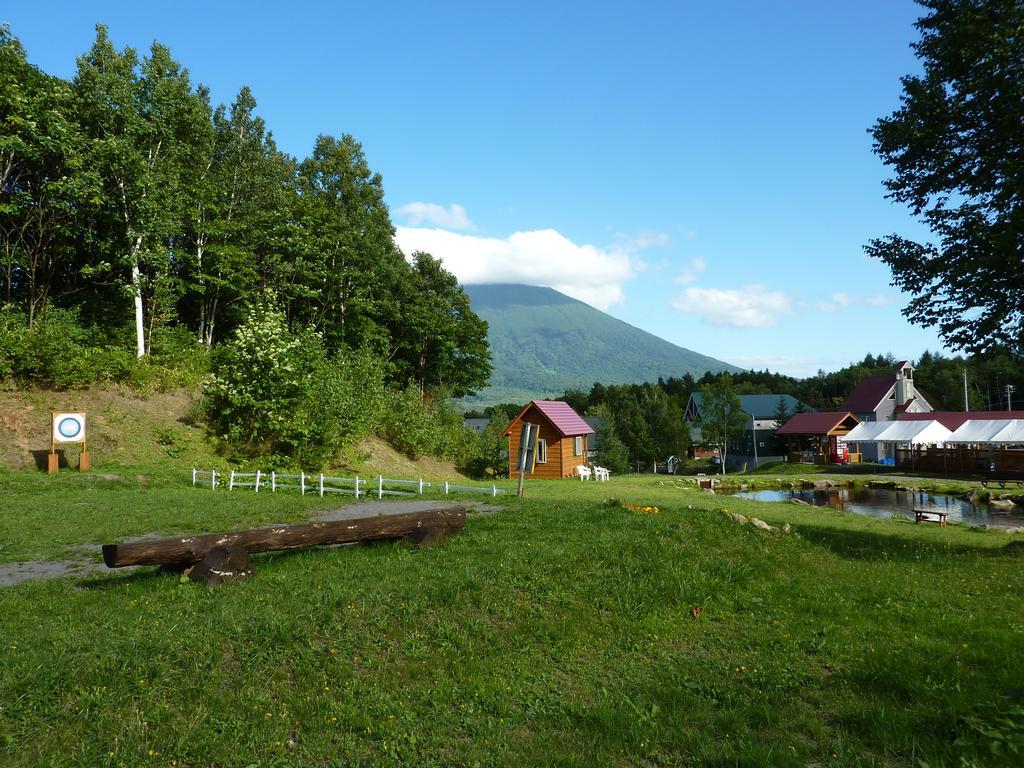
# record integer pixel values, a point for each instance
(886, 502)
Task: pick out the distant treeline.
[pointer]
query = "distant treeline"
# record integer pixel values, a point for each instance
(137, 218)
(644, 422)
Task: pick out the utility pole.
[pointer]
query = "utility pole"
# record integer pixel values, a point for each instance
(966, 406)
(753, 434)
(1010, 389)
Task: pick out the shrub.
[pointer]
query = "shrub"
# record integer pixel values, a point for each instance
(261, 379)
(275, 396)
(58, 352)
(344, 398)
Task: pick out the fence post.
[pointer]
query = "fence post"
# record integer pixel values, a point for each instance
(193, 477)
(213, 479)
(380, 486)
(321, 483)
(257, 481)
(302, 482)
(231, 481)
(445, 487)
(273, 481)
(494, 490)
(421, 486)
(357, 486)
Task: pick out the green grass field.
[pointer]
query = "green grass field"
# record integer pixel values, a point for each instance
(560, 631)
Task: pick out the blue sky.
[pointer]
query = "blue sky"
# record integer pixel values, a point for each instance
(700, 170)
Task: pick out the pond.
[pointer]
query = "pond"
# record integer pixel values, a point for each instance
(886, 502)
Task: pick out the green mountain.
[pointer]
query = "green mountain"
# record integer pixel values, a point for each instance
(544, 342)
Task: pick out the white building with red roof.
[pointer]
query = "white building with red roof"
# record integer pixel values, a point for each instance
(886, 397)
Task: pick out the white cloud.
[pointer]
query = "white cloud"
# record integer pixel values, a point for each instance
(836, 303)
(692, 271)
(543, 257)
(791, 366)
(752, 306)
(452, 217)
(840, 300)
(878, 300)
(645, 238)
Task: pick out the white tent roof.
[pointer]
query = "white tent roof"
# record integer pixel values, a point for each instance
(865, 431)
(993, 431)
(914, 432)
(978, 430)
(1013, 432)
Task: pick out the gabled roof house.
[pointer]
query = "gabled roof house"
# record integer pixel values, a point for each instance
(886, 397)
(563, 438)
(758, 407)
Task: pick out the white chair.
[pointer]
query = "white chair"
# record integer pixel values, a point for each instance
(600, 473)
(583, 472)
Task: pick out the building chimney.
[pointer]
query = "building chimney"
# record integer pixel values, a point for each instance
(904, 384)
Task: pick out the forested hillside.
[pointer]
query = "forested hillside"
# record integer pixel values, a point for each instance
(545, 342)
(150, 237)
(139, 217)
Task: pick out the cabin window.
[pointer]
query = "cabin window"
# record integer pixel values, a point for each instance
(542, 451)
(577, 446)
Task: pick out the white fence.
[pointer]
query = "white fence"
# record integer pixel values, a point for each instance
(321, 484)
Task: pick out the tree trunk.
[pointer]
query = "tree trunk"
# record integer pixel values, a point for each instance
(421, 527)
(140, 325)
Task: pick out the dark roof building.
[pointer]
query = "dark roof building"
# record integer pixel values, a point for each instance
(825, 424)
(887, 396)
(755, 406)
(821, 431)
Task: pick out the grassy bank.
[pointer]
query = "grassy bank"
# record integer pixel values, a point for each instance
(560, 631)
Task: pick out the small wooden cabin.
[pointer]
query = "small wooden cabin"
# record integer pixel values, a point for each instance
(563, 439)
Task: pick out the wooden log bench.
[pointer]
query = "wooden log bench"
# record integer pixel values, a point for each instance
(212, 558)
(930, 516)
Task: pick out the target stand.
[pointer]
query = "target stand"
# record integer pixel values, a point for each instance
(67, 428)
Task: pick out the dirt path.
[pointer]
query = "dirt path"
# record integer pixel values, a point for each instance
(81, 567)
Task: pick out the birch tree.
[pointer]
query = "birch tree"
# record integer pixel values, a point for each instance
(146, 128)
(240, 222)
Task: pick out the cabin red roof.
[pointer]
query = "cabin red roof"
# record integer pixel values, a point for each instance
(561, 415)
(815, 423)
(869, 392)
(956, 419)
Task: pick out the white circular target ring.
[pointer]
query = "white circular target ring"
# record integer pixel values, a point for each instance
(68, 427)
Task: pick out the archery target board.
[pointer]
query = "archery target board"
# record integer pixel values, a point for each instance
(69, 427)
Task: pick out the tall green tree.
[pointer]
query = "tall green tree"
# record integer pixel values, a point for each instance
(146, 128)
(722, 417)
(442, 343)
(781, 413)
(352, 269)
(611, 452)
(240, 220)
(955, 147)
(44, 190)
